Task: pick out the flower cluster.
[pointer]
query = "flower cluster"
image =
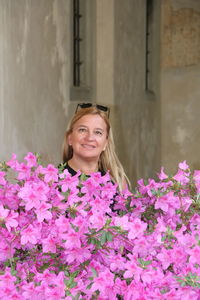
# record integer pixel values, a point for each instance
(78, 237)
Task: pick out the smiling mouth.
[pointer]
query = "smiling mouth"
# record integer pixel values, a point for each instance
(88, 146)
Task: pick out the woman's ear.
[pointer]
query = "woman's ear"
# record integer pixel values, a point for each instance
(69, 140)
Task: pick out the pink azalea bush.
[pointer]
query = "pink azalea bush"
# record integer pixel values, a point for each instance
(65, 237)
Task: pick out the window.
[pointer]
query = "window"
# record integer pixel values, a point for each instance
(149, 48)
(82, 50)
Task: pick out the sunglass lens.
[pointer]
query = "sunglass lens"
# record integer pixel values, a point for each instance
(101, 107)
(85, 105)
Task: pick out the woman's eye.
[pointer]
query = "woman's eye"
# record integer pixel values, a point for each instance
(82, 130)
(97, 132)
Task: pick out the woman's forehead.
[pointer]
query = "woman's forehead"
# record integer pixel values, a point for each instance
(91, 120)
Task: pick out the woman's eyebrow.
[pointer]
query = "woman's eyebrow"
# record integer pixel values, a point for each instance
(99, 129)
(96, 128)
(82, 126)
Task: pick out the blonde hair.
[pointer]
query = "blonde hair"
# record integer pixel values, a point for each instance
(108, 158)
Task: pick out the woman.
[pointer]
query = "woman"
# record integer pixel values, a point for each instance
(88, 144)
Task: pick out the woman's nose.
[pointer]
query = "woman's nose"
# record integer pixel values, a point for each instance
(90, 135)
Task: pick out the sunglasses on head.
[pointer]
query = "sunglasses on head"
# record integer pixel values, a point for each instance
(98, 106)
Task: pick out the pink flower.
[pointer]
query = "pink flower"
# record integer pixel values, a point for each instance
(62, 224)
(42, 212)
(51, 253)
(143, 189)
(31, 160)
(6, 250)
(188, 293)
(196, 176)
(72, 197)
(165, 257)
(6, 278)
(132, 269)
(142, 247)
(11, 220)
(30, 291)
(50, 173)
(136, 291)
(47, 277)
(2, 179)
(77, 254)
(3, 213)
(24, 172)
(162, 175)
(179, 256)
(168, 202)
(117, 263)
(183, 165)
(126, 193)
(13, 163)
(97, 220)
(182, 177)
(73, 240)
(122, 222)
(29, 195)
(33, 193)
(148, 275)
(161, 226)
(137, 228)
(49, 244)
(194, 254)
(55, 292)
(103, 280)
(69, 181)
(29, 235)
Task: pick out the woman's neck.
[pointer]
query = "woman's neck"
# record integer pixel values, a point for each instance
(86, 167)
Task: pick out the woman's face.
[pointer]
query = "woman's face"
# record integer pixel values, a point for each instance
(89, 137)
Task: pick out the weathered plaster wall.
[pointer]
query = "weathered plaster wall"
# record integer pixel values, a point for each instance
(180, 83)
(137, 121)
(34, 76)
(104, 40)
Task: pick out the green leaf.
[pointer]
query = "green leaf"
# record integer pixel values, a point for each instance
(94, 272)
(67, 293)
(74, 274)
(144, 263)
(44, 266)
(89, 285)
(94, 241)
(109, 236)
(66, 273)
(83, 177)
(116, 227)
(77, 296)
(3, 225)
(62, 167)
(13, 272)
(108, 221)
(103, 238)
(70, 283)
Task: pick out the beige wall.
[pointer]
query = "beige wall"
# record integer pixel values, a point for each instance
(137, 121)
(180, 83)
(34, 76)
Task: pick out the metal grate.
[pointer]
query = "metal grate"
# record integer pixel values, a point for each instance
(149, 15)
(77, 40)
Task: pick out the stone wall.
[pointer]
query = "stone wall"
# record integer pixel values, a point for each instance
(34, 76)
(180, 83)
(137, 121)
